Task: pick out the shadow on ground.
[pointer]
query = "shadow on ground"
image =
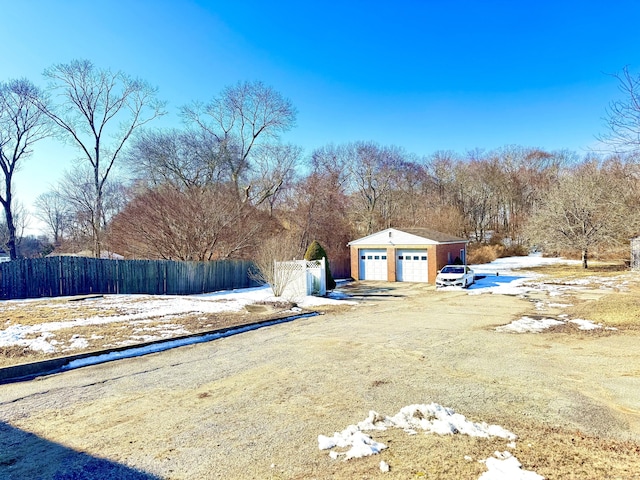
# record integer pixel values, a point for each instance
(487, 281)
(24, 455)
(369, 289)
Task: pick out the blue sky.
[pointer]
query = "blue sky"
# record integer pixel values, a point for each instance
(424, 75)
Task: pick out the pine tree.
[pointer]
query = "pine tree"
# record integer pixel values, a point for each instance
(316, 252)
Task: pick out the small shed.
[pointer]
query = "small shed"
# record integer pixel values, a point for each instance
(407, 255)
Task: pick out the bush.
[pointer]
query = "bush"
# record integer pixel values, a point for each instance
(279, 248)
(316, 252)
(480, 253)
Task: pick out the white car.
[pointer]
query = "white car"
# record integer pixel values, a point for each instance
(455, 276)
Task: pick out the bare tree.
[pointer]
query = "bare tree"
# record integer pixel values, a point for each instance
(274, 171)
(623, 116)
(21, 125)
(373, 172)
(318, 210)
(77, 201)
(55, 212)
(183, 159)
(98, 110)
(241, 118)
(20, 223)
(586, 209)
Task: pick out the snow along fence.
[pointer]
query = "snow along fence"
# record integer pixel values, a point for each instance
(299, 278)
(68, 276)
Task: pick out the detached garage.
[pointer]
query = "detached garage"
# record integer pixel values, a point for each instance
(408, 255)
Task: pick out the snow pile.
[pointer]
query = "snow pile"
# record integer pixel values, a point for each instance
(434, 419)
(431, 418)
(359, 444)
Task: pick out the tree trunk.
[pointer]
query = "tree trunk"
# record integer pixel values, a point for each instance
(584, 258)
(97, 225)
(11, 242)
(11, 227)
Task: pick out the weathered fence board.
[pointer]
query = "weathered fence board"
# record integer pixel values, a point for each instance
(63, 276)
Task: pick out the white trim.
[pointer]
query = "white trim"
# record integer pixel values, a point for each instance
(393, 236)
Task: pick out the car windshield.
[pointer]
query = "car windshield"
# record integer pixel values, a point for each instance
(452, 270)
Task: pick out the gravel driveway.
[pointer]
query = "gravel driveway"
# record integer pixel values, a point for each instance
(253, 405)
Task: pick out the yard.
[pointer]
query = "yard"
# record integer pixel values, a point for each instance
(518, 352)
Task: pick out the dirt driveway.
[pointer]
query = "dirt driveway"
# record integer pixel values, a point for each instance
(253, 405)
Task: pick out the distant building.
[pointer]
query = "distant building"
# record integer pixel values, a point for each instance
(407, 255)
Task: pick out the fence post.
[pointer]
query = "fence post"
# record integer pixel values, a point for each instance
(60, 275)
(164, 279)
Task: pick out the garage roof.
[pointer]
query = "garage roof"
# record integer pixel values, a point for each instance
(407, 236)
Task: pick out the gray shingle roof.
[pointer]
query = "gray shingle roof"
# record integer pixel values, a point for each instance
(433, 235)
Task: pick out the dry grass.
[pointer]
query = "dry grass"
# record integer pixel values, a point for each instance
(480, 253)
(620, 310)
(112, 334)
(46, 311)
(618, 300)
(574, 271)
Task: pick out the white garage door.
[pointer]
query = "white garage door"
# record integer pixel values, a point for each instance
(373, 264)
(412, 266)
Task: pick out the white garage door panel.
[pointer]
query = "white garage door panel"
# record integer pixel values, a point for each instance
(412, 266)
(373, 264)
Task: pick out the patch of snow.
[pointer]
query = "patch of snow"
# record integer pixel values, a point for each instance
(77, 343)
(384, 466)
(141, 309)
(504, 466)
(585, 324)
(528, 324)
(24, 336)
(505, 275)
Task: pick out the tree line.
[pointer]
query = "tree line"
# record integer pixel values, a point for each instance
(222, 184)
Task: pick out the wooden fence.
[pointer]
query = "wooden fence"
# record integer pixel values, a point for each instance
(62, 276)
(340, 267)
